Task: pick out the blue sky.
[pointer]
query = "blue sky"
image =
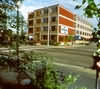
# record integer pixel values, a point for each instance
(31, 5)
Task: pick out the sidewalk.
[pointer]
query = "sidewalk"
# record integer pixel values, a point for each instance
(31, 47)
(51, 46)
(76, 68)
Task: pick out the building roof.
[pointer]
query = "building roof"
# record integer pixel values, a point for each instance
(52, 6)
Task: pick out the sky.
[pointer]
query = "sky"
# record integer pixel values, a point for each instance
(31, 5)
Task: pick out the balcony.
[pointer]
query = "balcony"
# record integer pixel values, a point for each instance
(53, 20)
(31, 22)
(45, 11)
(54, 10)
(38, 13)
(38, 21)
(30, 30)
(45, 20)
(37, 29)
(31, 16)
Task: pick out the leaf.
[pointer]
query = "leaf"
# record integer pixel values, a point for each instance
(78, 6)
(98, 4)
(90, 1)
(84, 1)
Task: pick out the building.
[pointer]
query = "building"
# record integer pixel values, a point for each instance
(54, 24)
(83, 28)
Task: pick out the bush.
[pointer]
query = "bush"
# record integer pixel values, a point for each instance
(46, 76)
(43, 73)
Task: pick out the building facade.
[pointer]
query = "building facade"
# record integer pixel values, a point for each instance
(83, 28)
(53, 23)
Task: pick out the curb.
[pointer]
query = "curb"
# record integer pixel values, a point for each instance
(78, 68)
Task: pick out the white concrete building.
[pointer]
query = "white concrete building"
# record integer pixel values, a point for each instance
(83, 28)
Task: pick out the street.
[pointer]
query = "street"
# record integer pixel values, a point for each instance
(72, 60)
(79, 56)
(75, 61)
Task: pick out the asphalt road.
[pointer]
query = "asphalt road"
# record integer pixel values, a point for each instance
(79, 56)
(77, 61)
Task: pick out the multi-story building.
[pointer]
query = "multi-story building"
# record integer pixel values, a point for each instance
(54, 23)
(83, 28)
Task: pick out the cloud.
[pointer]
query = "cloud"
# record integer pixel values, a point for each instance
(25, 10)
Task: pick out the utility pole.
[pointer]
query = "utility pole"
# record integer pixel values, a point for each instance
(97, 76)
(48, 30)
(17, 40)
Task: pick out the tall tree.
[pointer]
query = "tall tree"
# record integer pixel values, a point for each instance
(6, 6)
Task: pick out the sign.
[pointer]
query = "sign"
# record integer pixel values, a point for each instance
(64, 30)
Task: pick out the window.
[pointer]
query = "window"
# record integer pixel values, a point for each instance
(53, 28)
(38, 21)
(54, 9)
(44, 37)
(80, 33)
(38, 29)
(45, 20)
(83, 33)
(38, 13)
(77, 32)
(53, 19)
(31, 16)
(45, 28)
(78, 25)
(31, 23)
(45, 11)
(30, 30)
(53, 37)
(60, 38)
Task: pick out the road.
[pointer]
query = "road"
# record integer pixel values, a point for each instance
(79, 56)
(76, 61)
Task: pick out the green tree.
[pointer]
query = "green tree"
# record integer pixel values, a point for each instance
(91, 9)
(94, 33)
(6, 7)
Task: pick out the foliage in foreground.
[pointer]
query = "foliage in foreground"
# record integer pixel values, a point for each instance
(44, 74)
(91, 9)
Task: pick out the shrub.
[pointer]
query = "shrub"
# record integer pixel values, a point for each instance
(46, 76)
(43, 72)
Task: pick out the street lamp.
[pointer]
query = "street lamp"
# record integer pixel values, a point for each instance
(17, 41)
(97, 73)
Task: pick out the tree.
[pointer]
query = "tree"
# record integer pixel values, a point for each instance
(8, 14)
(22, 22)
(7, 6)
(91, 9)
(94, 33)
